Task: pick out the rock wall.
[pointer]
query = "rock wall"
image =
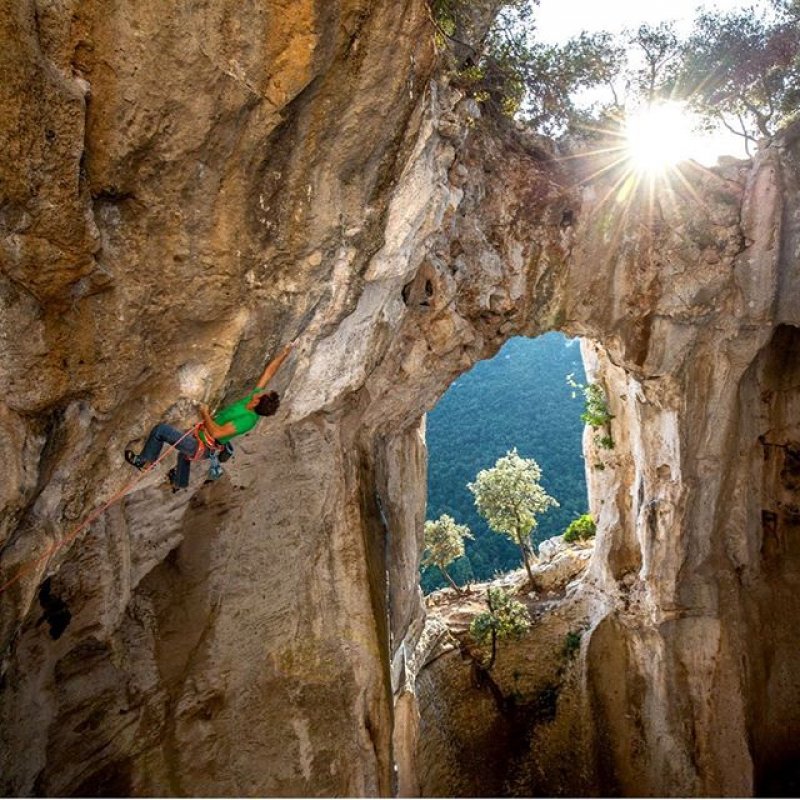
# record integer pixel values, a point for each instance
(184, 189)
(504, 731)
(689, 304)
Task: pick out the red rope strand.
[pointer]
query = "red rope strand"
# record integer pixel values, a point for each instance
(73, 534)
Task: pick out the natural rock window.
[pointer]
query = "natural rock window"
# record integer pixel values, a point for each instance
(518, 399)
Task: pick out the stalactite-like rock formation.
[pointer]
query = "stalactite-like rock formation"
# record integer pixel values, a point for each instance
(184, 189)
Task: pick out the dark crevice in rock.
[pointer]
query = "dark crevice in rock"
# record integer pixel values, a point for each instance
(56, 612)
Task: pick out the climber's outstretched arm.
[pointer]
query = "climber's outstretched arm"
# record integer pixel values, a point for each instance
(274, 366)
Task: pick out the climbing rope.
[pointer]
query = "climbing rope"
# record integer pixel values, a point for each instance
(73, 534)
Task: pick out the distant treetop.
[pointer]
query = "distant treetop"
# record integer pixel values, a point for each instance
(739, 69)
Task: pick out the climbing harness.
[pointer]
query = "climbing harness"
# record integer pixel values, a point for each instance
(202, 445)
(73, 534)
(217, 453)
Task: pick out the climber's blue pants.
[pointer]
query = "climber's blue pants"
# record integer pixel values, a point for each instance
(165, 434)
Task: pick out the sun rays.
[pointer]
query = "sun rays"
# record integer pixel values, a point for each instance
(642, 172)
(659, 136)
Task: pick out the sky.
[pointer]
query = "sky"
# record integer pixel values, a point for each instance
(558, 20)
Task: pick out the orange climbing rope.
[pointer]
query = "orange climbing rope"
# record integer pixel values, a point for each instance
(73, 534)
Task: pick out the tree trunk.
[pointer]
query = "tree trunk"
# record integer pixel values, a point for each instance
(494, 631)
(494, 651)
(450, 580)
(526, 560)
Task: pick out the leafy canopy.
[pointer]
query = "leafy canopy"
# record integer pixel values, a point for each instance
(509, 495)
(500, 63)
(738, 68)
(742, 69)
(444, 541)
(506, 618)
(659, 49)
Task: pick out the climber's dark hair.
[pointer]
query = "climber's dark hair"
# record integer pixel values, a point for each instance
(267, 404)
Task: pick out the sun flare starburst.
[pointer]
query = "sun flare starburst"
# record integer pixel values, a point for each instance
(658, 137)
(643, 170)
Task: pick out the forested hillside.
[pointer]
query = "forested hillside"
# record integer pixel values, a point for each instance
(521, 399)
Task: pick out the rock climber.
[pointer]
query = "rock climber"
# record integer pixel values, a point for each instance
(210, 437)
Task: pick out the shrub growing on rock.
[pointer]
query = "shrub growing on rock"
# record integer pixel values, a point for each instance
(506, 618)
(572, 643)
(595, 411)
(580, 529)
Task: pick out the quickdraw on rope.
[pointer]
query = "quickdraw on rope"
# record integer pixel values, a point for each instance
(73, 534)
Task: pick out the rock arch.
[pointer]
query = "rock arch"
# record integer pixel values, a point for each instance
(314, 173)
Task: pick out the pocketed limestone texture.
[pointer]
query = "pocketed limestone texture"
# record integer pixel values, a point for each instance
(186, 187)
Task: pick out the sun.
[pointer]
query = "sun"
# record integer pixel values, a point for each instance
(659, 136)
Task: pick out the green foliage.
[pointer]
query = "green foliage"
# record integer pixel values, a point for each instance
(509, 497)
(446, 14)
(555, 74)
(499, 62)
(743, 69)
(580, 529)
(572, 643)
(595, 410)
(596, 413)
(506, 618)
(444, 543)
(738, 68)
(541, 81)
(517, 398)
(660, 50)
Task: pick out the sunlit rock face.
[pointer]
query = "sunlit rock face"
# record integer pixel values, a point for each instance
(701, 490)
(183, 190)
(689, 301)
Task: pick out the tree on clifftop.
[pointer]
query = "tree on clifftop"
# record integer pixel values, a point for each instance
(500, 63)
(444, 543)
(742, 70)
(738, 69)
(509, 496)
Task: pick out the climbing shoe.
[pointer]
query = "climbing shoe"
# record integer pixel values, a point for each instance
(172, 477)
(134, 460)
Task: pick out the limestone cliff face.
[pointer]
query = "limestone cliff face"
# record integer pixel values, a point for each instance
(517, 729)
(690, 304)
(183, 190)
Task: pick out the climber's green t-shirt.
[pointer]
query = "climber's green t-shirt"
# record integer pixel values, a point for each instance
(243, 418)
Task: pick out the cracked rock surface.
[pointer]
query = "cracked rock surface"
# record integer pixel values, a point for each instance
(183, 190)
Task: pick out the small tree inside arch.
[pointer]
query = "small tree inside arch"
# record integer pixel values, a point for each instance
(509, 497)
